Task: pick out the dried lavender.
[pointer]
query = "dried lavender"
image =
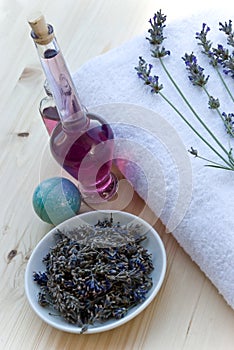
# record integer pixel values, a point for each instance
(95, 273)
(144, 72)
(197, 77)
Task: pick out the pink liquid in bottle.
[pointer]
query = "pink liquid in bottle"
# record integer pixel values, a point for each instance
(87, 157)
(50, 118)
(48, 110)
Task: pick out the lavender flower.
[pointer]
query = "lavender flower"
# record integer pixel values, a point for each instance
(218, 56)
(206, 44)
(156, 30)
(193, 151)
(227, 29)
(213, 103)
(202, 36)
(221, 53)
(196, 75)
(160, 52)
(225, 58)
(229, 123)
(228, 65)
(144, 72)
(156, 35)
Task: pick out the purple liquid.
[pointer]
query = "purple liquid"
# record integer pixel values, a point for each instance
(87, 157)
(50, 118)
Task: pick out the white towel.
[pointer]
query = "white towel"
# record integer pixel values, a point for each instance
(203, 224)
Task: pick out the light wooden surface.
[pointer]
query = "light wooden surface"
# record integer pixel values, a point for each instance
(188, 313)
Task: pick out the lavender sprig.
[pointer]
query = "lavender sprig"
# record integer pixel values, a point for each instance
(227, 29)
(206, 44)
(225, 58)
(156, 30)
(144, 72)
(156, 37)
(197, 77)
(194, 152)
(196, 72)
(229, 122)
(218, 56)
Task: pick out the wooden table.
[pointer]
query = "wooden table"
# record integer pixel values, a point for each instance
(188, 313)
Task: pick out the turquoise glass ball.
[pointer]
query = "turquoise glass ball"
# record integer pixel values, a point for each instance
(56, 199)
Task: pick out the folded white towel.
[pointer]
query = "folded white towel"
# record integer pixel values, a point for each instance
(165, 169)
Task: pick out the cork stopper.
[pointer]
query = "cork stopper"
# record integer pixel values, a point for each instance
(42, 33)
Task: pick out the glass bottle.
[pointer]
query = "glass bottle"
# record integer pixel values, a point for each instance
(48, 110)
(82, 143)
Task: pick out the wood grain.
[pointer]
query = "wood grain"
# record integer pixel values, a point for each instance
(188, 313)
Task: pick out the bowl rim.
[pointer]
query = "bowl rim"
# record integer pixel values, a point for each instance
(71, 328)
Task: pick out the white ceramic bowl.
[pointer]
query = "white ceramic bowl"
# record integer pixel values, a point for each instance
(153, 244)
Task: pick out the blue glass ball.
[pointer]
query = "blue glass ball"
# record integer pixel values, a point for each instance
(56, 200)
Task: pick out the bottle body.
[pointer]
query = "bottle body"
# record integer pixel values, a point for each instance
(87, 156)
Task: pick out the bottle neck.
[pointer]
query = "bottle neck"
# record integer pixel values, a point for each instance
(71, 112)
